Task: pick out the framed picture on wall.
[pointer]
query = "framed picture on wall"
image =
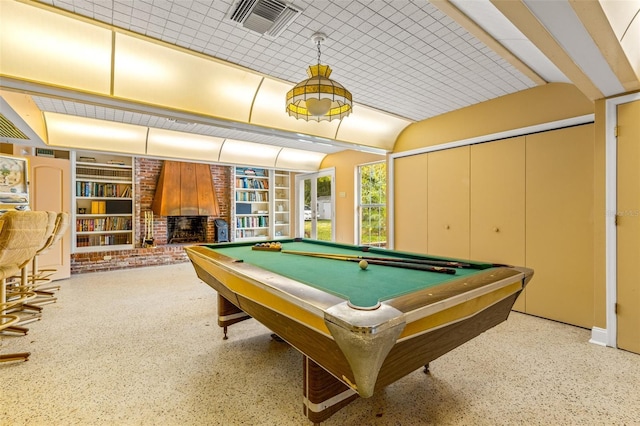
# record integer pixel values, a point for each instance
(14, 183)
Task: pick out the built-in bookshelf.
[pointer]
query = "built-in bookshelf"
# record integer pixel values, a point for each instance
(103, 202)
(251, 204)
(281, 204)
(261, 204)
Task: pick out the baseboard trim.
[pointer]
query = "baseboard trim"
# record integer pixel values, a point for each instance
(598, 336)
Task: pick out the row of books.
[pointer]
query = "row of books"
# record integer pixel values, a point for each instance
(102, 240)
(95, 189)
(120, 174)
(243, 182)
(252, 196)
(252, 222)
(103, 224)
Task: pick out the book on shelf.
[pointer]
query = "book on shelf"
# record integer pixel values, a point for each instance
(98, 207)
(94, 189)
(103, 224)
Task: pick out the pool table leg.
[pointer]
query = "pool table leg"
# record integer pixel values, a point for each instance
(228, 314)
(323, 394)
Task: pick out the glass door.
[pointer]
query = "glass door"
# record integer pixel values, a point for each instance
(315, 205)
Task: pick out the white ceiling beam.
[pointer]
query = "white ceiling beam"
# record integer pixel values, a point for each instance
(601, 30)
(519, 14)
(566, 28)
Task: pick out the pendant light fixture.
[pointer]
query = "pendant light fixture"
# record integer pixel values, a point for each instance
(319, 98)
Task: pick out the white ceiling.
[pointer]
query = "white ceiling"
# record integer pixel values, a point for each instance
(403, 57)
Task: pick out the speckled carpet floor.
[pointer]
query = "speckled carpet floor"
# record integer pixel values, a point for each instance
(142, 347)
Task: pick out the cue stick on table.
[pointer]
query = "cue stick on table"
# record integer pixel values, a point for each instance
(441, 263)
(390, 262)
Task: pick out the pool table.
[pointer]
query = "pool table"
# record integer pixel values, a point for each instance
(358, 328)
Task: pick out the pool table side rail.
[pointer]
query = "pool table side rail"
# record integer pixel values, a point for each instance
(432, 300)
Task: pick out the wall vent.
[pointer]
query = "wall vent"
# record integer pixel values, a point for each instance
(268, 17)
(9, 130)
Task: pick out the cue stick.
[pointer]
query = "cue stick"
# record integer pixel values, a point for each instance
(441, 263)
(404, 265)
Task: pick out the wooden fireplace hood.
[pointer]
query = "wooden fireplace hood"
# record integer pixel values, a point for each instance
(185, 189)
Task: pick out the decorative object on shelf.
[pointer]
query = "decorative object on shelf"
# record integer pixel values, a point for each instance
(319, 98)
(148, 240)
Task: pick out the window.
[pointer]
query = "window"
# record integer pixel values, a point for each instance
(372, 204)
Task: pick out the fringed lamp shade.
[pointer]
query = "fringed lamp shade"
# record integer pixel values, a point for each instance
(319, 98)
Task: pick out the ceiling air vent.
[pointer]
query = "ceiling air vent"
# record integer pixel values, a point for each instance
(268, 17)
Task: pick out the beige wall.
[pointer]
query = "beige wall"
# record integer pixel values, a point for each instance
(543, 104)
(345, 164)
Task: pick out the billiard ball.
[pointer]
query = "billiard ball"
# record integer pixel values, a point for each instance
(363, 264)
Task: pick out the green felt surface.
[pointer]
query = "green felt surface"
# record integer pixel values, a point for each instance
(344, 279)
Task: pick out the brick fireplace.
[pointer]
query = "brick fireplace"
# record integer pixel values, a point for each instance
(147, 172)
(187, 229)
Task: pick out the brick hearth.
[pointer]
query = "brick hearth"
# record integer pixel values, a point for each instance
(146, 178)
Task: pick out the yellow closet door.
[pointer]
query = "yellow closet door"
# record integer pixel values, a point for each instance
(628, 230)
(559, 224)
(410, 203)
(448, 209)
(497, 203)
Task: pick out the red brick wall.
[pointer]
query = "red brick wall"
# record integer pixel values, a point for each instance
(147, 172)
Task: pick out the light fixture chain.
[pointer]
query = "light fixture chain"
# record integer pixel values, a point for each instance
(318, 51)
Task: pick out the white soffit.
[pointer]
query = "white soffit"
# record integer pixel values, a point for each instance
(99, 135)
(42, 46)
(297, 159)
(484, 13)
(248, 153)
(171, 144)
(559, 18)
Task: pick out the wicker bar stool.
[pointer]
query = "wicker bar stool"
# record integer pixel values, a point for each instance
(22, 234)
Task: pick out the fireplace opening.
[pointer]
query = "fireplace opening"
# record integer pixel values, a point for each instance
(186, 229)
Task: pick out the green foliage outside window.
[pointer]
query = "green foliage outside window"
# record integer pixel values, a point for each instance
(373, 204)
